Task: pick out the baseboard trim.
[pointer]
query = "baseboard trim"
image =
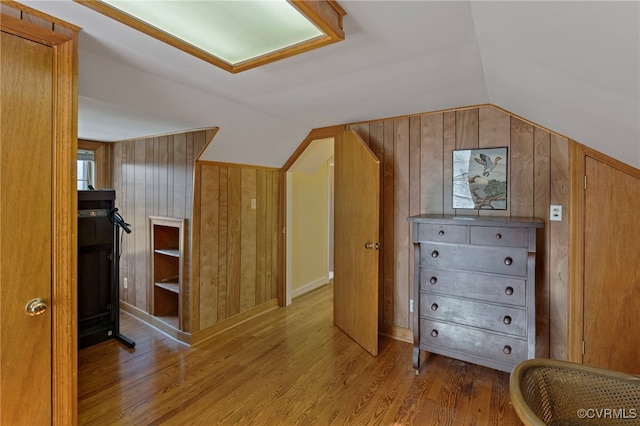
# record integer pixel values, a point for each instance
(395, 332)
(218, 328)
(309, 287)
(156, 323)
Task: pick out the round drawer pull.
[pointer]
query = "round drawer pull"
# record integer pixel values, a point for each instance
(498, 236)
(441, 233)
(433, 280)
(507, 350)
(434, 307)
(435, 254)
(508, 261)
(508, 291)
(506, 320)
(434, 333)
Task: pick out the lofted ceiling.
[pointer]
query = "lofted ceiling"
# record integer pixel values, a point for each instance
(572, 67)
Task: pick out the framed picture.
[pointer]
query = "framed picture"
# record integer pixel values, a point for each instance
(480, 178)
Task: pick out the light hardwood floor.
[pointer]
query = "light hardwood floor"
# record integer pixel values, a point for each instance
(289, 367)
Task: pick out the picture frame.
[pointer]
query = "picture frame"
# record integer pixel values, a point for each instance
(480, 178)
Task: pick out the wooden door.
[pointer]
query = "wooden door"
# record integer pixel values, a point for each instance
(612, 269)
(25, 230)
(356, 229)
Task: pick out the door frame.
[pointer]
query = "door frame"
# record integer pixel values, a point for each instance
(18, 20)
(284, 285)
(575, 298)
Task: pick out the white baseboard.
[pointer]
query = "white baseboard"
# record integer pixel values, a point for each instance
(309, 287)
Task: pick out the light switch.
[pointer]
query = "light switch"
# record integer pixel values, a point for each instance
(253, 204)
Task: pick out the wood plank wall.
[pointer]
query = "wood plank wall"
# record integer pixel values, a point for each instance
(235, 245)
(416, 156)
(153, 177)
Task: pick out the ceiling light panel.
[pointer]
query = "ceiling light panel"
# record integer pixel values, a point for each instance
(234, 31)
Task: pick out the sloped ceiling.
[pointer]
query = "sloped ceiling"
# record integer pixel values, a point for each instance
(572, 67)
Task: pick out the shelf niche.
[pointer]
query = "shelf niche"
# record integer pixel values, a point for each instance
(167, 266)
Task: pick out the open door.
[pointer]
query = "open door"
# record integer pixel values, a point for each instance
(356, 232)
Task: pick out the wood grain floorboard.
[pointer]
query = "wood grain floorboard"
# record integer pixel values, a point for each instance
(289, 367)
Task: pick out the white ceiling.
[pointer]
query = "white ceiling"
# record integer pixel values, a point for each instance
(572, 67)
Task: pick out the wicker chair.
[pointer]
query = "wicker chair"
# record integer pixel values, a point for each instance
(549, 392)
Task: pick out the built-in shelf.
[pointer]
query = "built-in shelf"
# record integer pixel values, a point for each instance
(168, 252)
(167, 242)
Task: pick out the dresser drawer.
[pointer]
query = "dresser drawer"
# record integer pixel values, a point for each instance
(498, 260)
(496, 236)
(458, 338)
(474, 285)
(498, 318)
(441, 233)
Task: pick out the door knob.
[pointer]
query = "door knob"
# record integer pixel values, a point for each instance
(368, 246)
(36, 307)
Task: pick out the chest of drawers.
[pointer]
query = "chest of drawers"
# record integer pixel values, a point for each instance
(474, 288)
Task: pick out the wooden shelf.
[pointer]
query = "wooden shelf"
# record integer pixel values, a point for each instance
(172, 287)
(168, 252)
(167, 242)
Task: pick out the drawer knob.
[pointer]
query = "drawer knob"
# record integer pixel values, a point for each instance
(435, 254)
(506, 319)
(508, 261)
(508, 291)
(434, 307)
(507, 350)
(498, 236)
(434, 333)
(441, 233)
(433, 280)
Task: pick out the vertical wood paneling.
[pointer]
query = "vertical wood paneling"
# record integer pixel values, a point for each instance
(179, 175)
(261, 236)
(275, 207)
(449, 132)
(248, 240)
(559, 248)
(542, 170)
(467, 137)
(415, 166)
(223, 244)
(141, 176)
(494, 131)
(520, 194)
(238, 243)
(388, 222)
(401, 162)
(432, 164)
(208, 236)
(234, 253)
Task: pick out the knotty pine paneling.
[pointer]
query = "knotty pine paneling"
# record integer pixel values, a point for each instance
(416, 163)
(235, 250)
(153, 177)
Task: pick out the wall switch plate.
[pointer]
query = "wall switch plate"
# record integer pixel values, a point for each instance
(124, 282)
(555, 212)
(253, 204)
(410, 305)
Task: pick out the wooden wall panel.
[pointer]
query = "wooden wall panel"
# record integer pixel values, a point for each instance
(235, 263)
(417, 179)
(153, 177)
(558, 248)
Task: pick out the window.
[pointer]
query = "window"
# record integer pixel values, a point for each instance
(86, 169)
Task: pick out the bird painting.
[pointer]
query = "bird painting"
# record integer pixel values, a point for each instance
(487, 163)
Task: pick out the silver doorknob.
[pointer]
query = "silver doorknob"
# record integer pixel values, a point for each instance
(35, 307)
(368, 246)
